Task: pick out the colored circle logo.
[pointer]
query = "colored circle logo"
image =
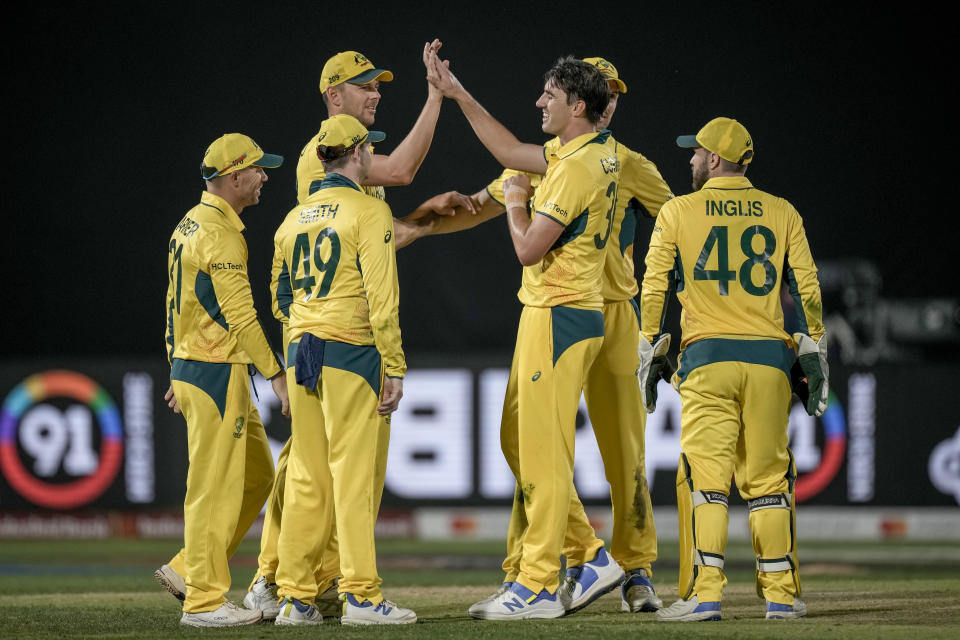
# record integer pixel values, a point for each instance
(60, 440)
(834, 449)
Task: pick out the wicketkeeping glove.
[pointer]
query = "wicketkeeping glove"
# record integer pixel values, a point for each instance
(653, 361)
(812, 358)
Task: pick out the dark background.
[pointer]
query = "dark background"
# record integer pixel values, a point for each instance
(109, 107)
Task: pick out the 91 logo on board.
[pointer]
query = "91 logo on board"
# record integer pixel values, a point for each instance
(61, 439)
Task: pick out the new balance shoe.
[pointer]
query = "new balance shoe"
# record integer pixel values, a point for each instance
(356, 613)
(228, 615)
(691, 610)
(777, 611)
(293, 612)
(263, 597)
(172, 581)
(637, 594)
(517, 603)
(476, 607)
(589, 581)
(328, 603)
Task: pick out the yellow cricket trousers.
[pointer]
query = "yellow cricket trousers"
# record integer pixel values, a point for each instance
(230, 473)
(334, 460)
(555, 348)
(736, 403)
(618, 418)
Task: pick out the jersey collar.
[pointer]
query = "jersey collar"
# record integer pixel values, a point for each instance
(216, 202)
(728, 183)
(338, 180)
(581, 141)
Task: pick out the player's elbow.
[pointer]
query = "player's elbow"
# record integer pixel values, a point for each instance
(529, 257)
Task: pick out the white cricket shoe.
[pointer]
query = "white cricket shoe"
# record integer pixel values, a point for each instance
(777, 611)
(518, 603)
(356, 613)
(263, 597)
(589, 581)
(477, 607)
(328, 603)
(637, 594)
(228, 615)
(293, 612)
(172, 581)
(690, 610)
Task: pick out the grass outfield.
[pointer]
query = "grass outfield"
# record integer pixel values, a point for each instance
(105, 589)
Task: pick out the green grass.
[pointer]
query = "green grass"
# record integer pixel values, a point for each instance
(105, 589)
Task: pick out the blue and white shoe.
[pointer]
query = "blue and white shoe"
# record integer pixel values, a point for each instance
(777, 611)
(637, 594)
(690, 610)
(477, 607)
(589, 581)
(356, 613)
(517, 603)
(295, 613)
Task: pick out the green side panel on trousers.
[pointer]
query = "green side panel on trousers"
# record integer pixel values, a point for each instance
(211, 377)
(772, 353)
(570, 326)
(362, 360)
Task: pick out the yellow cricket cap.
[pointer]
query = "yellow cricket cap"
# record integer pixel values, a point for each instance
(352, 67)
(609, 72)
(345, 130)
(725, 137)
(232, 152)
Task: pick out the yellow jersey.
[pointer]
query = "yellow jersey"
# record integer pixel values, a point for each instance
(641, 193)
(728, 249)
(210, 312)
(579, 191)
(338, 271)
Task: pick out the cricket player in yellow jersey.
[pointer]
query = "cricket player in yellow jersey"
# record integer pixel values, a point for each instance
(346, 377)
(730, 247)
(561, 328)
(213, 336)
(350, 84)
(613, 396)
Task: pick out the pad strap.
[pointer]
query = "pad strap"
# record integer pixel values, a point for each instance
(709, 497)
(769, 565)
(774, 501)
(707, 559)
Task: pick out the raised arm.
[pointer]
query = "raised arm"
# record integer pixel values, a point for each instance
(498, 140)
(400, 166)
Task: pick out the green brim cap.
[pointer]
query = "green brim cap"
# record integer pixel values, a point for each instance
(269, 161)
(376, 136)
(688, 142)
(370, 75)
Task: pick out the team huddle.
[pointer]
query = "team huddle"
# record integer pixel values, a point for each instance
(572, 206)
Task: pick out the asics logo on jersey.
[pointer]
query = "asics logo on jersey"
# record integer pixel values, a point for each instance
(535, 377)
(387, 236)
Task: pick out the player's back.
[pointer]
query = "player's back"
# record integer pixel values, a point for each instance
(329, 243)
(737, 245)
